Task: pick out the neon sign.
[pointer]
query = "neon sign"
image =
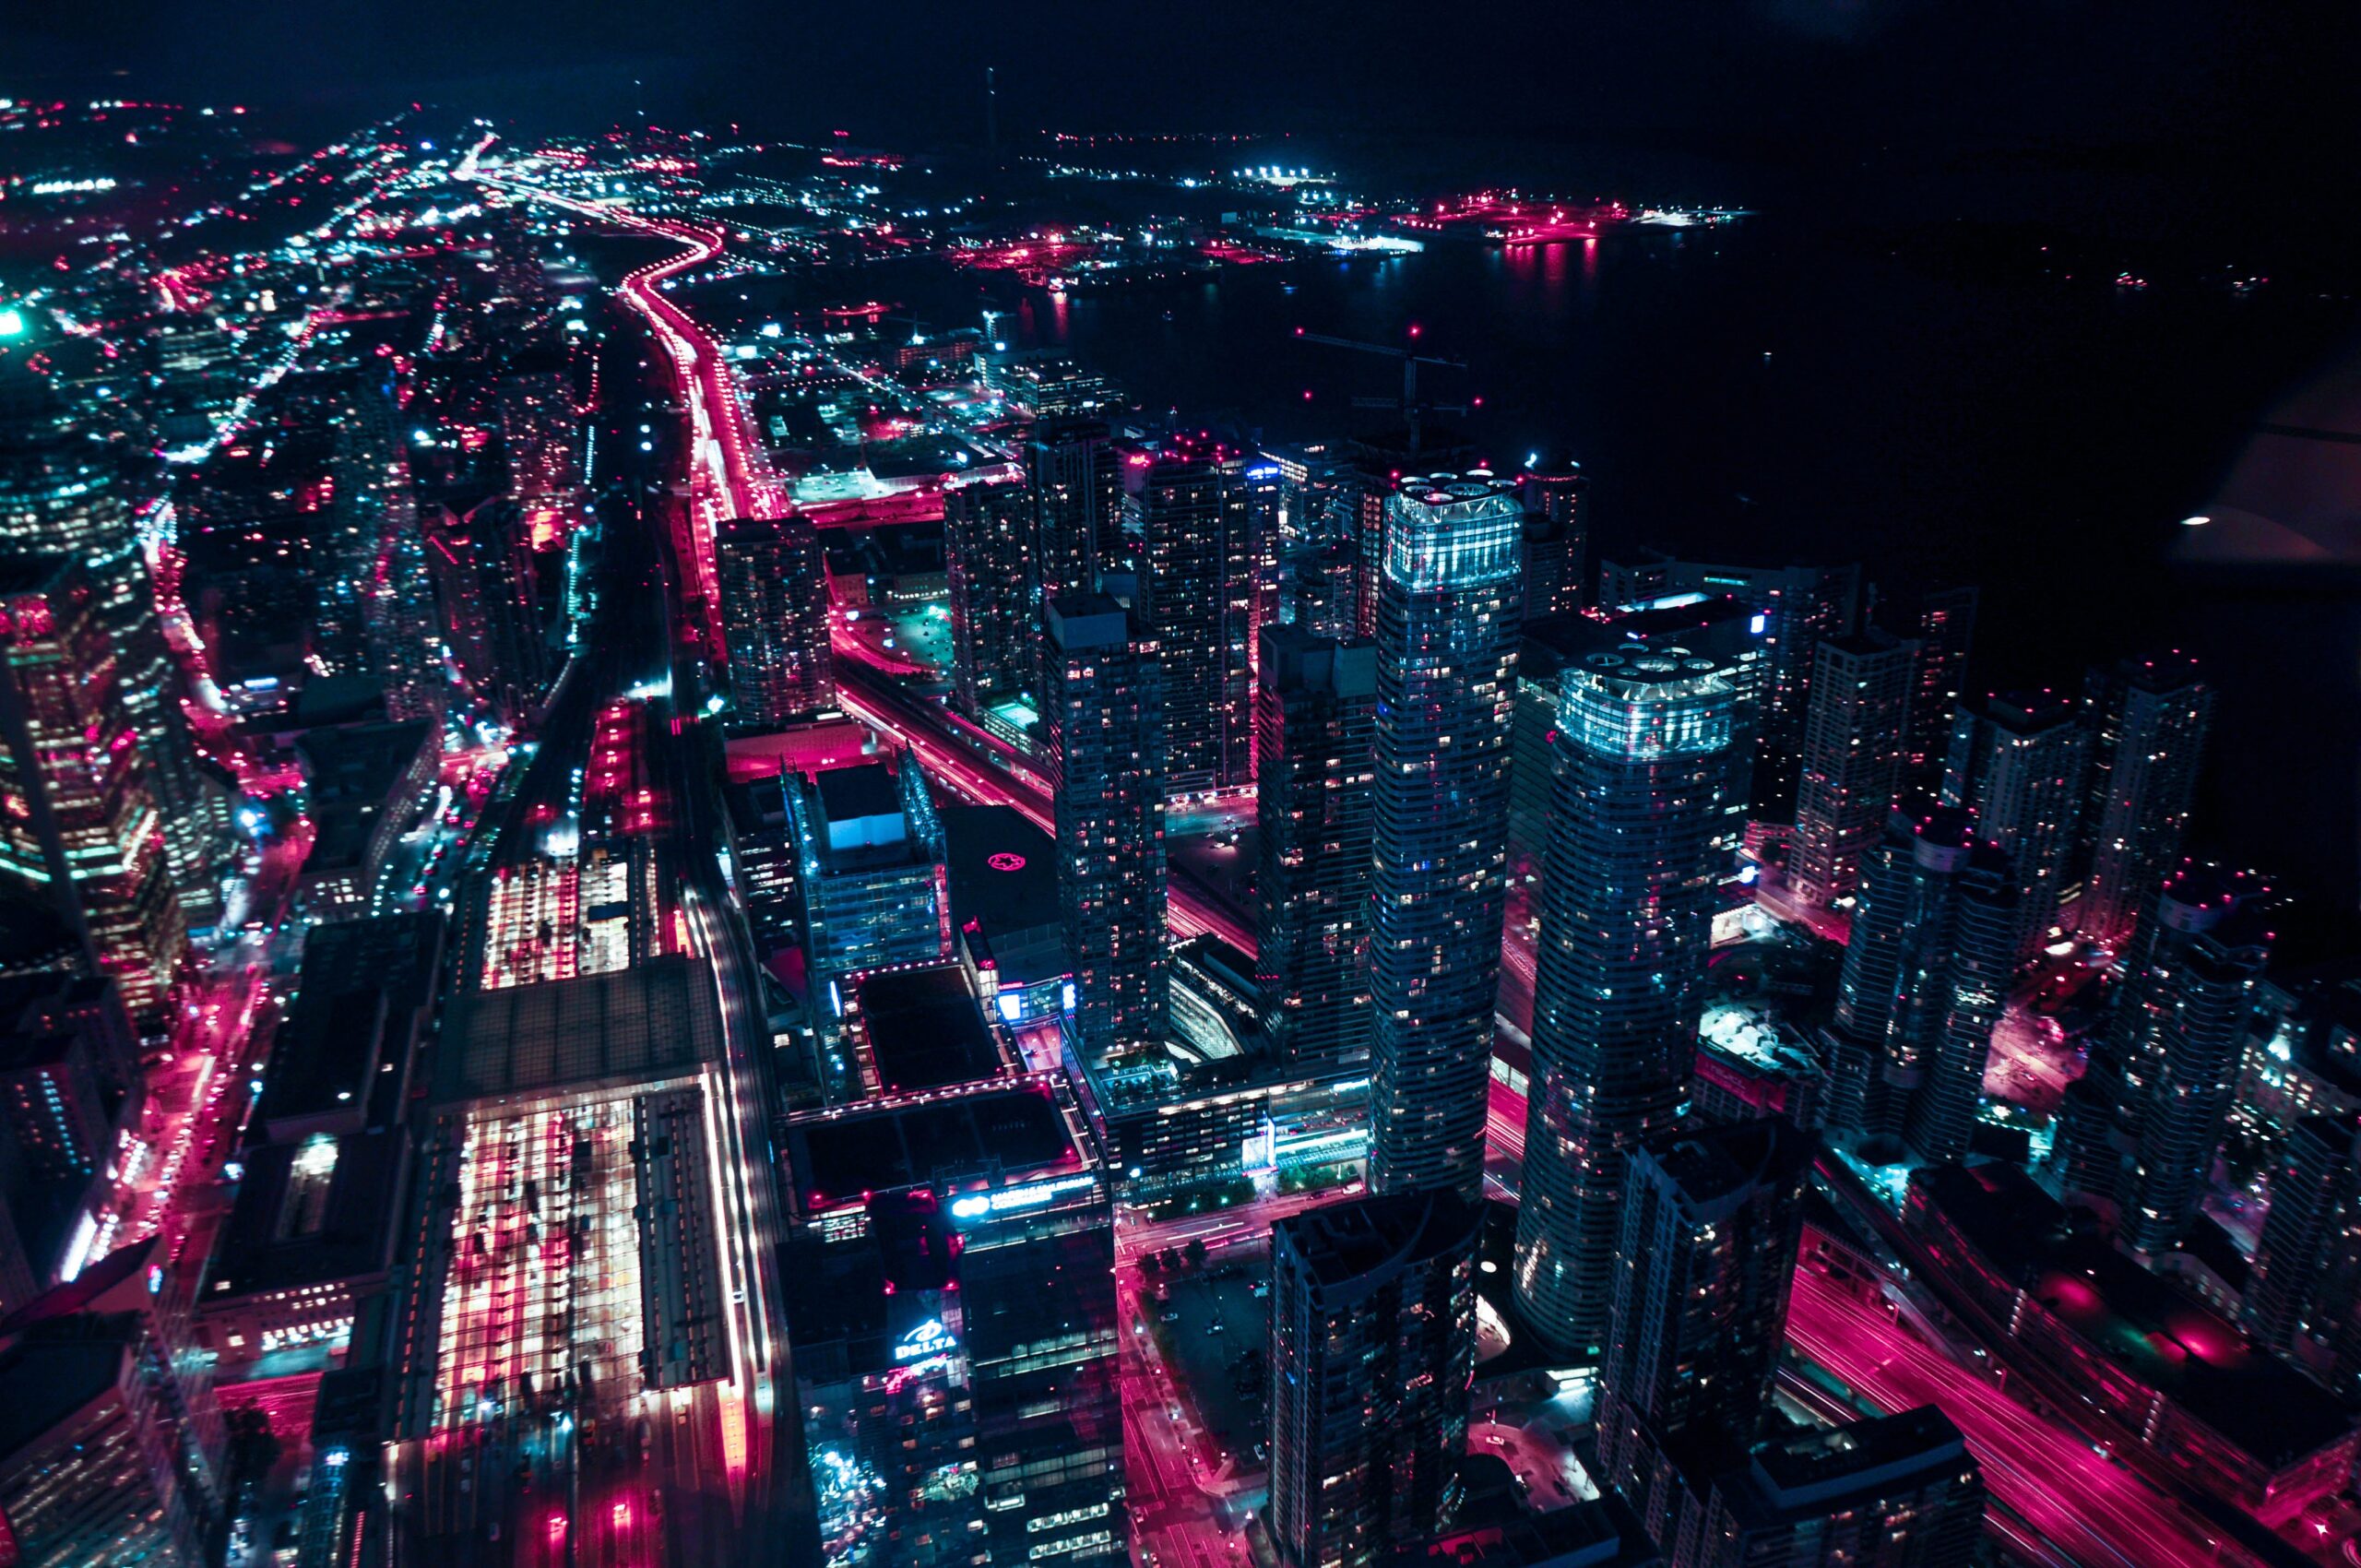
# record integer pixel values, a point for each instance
(1031, 1196)
(928, 1339)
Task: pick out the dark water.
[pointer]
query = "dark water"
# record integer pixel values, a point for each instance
(1944, 407)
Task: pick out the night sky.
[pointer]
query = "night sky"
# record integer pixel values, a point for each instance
(2171, 116)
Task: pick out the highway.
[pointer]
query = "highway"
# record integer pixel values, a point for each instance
(2094, 1511)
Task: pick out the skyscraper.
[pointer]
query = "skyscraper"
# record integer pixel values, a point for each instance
(1447, 618)
(1645, 766)
(2311, 1187)
(1704, 1264)
(1855, 737)
(60, 494)
(1187, 529)
(2187, 1006)
(1072, 475)
(109, 1456)
(774, 590)
(2147, 719)
(496, 614)
(995, 623)
(1925, 973)
(1316, 710)
(2016, 760)
(1941, 621)
(81, 830)
(1556, 536)
(1373, 1348)
(1103, 712)
(872, 858)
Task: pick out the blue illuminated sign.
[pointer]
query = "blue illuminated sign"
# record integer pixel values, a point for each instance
(929, 1339)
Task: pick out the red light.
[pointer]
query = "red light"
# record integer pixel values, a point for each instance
(1414, 329)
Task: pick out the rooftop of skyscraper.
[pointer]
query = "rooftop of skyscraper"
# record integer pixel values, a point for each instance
(1811, 1470)
(1373, 1236)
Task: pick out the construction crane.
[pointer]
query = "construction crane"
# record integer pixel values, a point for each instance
(1411, 410)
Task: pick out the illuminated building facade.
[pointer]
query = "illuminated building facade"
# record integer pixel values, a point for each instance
(1856, 736)
(1800, 605)
(774, 588)
(995, 621)
(1926, 975)
(1720, 628)
(1646, 761)
(1316, 711)
(541, 435)
(1104, 718)
(1702, 1269)
(1373, 1348)
(951, 1287)
(1316, 589)
(2147, 719)
(2016, 760)
(71, 1096)
(2184, 1019)
(86, 1471)
(1074, 479)
(1941, 621)
(2312, 1191)
(1187, 521)
(498, 612)
(80, 828)
(872, 857)
(1447, 621)
(60, 494)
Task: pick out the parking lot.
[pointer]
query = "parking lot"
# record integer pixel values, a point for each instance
(1220, 1326)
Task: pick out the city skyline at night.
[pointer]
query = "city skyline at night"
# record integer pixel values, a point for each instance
(972, 790)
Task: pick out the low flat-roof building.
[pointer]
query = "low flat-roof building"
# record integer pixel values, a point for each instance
(1898, 1492)
(2172, 1384)
(574, 1252)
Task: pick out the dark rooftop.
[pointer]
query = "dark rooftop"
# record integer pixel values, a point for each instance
(273, 1241)
(926, 1030)
(864, 790)
(361, 989)
(1355, 1243)
(33, 935)
(1811, 1472)
(1003, 870)
(1712, 1165)
(1603, 1533)
(836, 1156)
(654, 1020)
(50, 1374)
(361, 763)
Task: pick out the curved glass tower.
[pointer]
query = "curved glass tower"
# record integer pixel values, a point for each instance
(1646, 761)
